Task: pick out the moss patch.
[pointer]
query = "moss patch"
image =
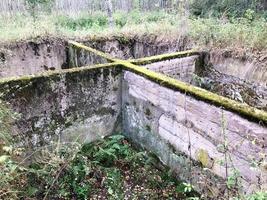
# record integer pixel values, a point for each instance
(203, 157)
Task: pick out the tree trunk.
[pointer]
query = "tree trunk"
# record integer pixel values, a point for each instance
(265, 5)
(109, 11)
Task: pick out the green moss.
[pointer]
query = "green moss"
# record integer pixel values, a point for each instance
(7, 117)
(99, 53)
(199, 93)
(29, 78)
(203, 157)
(124, 40)
(163, 57)
(148, 128)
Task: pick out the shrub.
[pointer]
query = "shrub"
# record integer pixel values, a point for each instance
(230, 8)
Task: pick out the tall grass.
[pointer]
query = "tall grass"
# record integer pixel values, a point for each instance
(238, 33)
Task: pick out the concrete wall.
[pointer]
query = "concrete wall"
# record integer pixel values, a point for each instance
(137, 47)
(24, 58)
(77, 104)
(187, 134)
(176, 127)
(179, 68)
(37, 56)
(79, 57)
(247, 67)
(33, 57)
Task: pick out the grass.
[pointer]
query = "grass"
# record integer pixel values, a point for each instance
(236, 33)
(239, 33)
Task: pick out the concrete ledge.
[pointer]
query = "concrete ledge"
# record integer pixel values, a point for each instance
(73, 104)
(57, 72)
(99, 53)
(163, 57)
(240, 108)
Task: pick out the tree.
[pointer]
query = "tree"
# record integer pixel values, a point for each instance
(232, 8)
(110, 13)
(33, 6)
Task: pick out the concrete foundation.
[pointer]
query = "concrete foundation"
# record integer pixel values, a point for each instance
(201, 136)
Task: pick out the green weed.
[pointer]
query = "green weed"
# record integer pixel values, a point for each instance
(106, 168)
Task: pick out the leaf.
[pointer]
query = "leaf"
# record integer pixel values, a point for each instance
(4, 158)
(8, 149)
(32, 191)
(110, 191)
(116, 146)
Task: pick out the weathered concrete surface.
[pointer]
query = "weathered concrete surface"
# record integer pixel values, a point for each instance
(32, 57)
(81, 104)
(179, 68)
(79, 57)
(41, 55)
(125, 47)
(248, 67)
(154, 117)
(198, 71)
(187, 134)
(233, 87)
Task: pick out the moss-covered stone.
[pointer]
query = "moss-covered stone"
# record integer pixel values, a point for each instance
(204, 159)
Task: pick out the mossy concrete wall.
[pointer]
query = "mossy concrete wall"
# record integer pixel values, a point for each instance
(184, 125)
(177, 126)
(75, 104)
(49, 54)
(188, 132)
(129, 47)
(79, 57)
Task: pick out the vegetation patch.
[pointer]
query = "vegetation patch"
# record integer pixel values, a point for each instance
(247, 32)
(107, 169)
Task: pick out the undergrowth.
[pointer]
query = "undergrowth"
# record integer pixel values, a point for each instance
(110, 168)
(246, 32)
(107, 169)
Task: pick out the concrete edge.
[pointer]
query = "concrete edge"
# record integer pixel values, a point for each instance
(58, 72)
(202, 94)
(164, 57)
(205, 95)
(99, 53)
